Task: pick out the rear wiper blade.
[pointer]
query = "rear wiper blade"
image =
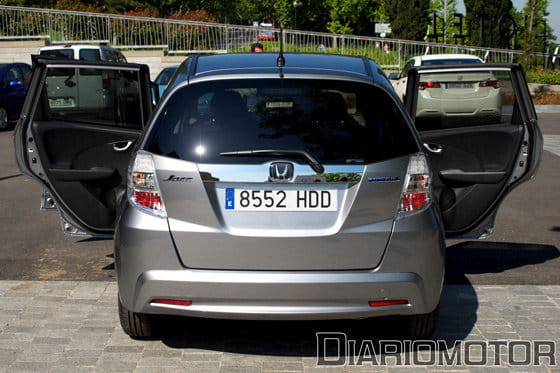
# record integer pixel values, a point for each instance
(302, 154)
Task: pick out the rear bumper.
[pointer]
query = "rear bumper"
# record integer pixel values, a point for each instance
(277, 296)
(449, 106)
(412, 270)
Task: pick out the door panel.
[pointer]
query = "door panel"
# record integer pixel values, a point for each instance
(83, 166)
(472, 169)
(79, 126)
(477, 126)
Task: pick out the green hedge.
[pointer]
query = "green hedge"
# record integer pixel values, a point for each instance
(544, 77)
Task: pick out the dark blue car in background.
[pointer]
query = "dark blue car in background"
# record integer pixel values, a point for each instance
(164, 77)
(14, 81)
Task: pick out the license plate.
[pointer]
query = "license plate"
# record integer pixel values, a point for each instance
(458, 85)
(280, 200)
(61, 102)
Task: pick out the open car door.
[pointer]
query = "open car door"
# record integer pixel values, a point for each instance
(480, 133)
(78, 129)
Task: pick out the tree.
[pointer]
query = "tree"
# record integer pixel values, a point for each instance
(309, 15)
(534, 14)
(409, 19)
(536, 33)
(352, 16)
(489, 22)
(444, 10)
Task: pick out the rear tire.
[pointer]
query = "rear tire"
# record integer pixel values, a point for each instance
(421, 326)
(136, 325)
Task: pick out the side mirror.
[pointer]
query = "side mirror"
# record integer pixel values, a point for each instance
(14, 83)
(393, 76)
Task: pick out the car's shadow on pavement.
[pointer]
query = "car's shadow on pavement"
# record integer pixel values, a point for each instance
(458, 312)
(502, 263)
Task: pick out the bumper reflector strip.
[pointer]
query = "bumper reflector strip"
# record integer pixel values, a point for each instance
(381, 303)
(174, 302)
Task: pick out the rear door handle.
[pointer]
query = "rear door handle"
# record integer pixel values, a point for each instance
(433, 148)
(121, 146)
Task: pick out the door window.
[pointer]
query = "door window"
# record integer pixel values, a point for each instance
(111, 56)
(97, 96)
(453, 99)
(12, 74)
(90, 54)
(164, 77)
(121, 57)
(25, 72)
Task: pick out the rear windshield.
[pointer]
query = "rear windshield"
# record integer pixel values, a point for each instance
(451, 62)
(64, 53)
(337, 122)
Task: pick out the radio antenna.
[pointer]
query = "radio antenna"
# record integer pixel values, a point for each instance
(280, 61)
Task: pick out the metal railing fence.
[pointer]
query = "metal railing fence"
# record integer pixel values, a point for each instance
(178, 37)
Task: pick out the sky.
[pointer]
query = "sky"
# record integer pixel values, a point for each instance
(553, 9)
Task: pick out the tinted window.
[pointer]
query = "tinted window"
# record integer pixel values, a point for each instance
(26, 72)
(450, 62)
(165, 75)
(111, 56)
(90, 55)
(99, 96)
(24, 69)
(12, 74)
(338, 122)
(64, 53)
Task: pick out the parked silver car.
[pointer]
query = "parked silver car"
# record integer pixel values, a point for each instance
(262, 190)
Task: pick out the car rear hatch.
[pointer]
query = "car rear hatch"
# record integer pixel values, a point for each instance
(269, 174)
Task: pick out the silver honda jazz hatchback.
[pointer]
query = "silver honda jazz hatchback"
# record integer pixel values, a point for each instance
(268, 189)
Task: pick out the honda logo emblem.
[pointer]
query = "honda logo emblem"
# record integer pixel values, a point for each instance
(281, 171)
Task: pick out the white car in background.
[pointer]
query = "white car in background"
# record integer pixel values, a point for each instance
(400, 81)
(462, 98)
(83, 52)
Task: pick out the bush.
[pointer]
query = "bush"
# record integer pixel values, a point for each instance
(544, 77)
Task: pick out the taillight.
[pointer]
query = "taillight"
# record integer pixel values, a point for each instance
(489, 83)
(424, 85)
(143, 190)
(416, 194)
(106, 83)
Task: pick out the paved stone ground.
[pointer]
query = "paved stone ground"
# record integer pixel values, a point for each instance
(71, 326)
